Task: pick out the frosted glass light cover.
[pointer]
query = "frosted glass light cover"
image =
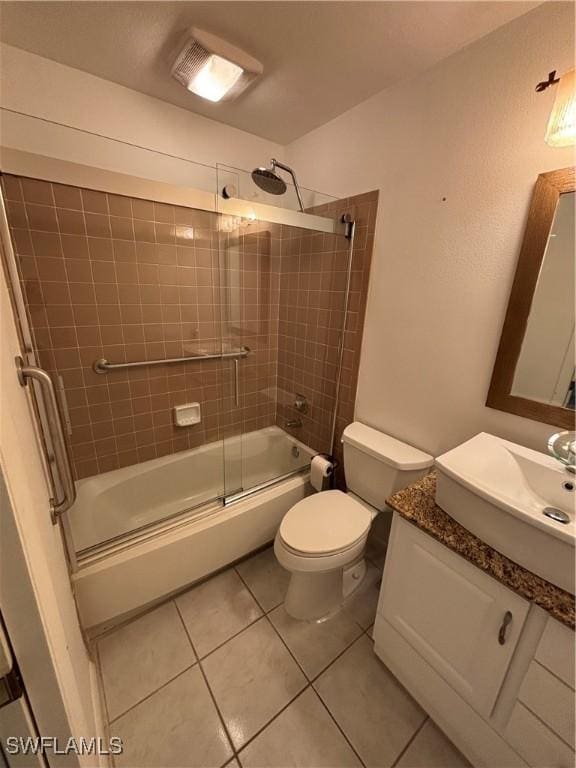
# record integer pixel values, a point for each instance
(561, 131)
(212, 68)
(215, 78)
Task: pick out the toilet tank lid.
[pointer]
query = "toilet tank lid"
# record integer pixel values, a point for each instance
(385, 448)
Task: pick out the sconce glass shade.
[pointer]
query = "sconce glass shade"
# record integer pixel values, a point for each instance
(561, 131)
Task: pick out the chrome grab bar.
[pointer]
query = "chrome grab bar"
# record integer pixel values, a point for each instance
(104, 366)
(61, 458)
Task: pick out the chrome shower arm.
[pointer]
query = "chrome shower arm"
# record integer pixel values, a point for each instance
(278, 164)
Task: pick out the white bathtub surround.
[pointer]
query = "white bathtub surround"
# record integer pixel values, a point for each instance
(274, 692)
(178, 552)
(148, 571)
(125, 500)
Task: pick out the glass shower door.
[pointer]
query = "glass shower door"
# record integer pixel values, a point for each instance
(125, 269)
(283, 296)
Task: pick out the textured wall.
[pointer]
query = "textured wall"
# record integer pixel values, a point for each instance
(455, 153)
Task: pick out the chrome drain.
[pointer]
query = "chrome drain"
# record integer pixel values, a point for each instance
(557, 515)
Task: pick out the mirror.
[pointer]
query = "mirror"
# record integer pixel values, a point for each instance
(534, 370)
(545, 368)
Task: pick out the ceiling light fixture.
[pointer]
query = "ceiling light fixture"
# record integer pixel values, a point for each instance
(212, 68)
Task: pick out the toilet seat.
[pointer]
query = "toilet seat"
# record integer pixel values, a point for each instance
(325, 524)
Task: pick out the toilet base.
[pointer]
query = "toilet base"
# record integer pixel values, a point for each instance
(313, 596)
(352, 577)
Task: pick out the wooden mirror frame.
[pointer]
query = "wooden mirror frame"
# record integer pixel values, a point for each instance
(549, 187)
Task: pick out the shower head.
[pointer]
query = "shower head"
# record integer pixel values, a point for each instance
(269, 181)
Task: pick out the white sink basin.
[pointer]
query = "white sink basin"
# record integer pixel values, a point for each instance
(499, 490)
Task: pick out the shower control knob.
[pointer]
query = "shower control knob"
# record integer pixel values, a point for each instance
(301, 404)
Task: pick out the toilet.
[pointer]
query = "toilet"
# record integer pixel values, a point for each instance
(321, 539)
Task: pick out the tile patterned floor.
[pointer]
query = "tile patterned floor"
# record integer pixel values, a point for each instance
(222, 676)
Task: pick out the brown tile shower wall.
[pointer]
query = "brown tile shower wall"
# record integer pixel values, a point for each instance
(130, 279)
(313, 274)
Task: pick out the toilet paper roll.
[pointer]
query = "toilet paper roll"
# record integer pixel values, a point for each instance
(320, 467)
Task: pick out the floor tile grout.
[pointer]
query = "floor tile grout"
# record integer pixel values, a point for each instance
(317, 676)
(269, 722)
(222, 644)
(178, 593)
(335, 659)
(243, 580)
(309, 681)
(198, 658)
(101, 682)
(210, 691)
(410, 741)
(313, 679)
(337, 724)
(149, 695)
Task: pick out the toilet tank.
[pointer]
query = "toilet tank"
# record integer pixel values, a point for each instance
(377, 465)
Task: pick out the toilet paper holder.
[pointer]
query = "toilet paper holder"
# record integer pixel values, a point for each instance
(328, 482)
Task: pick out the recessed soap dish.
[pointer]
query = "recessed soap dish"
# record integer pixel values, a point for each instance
(186, 415)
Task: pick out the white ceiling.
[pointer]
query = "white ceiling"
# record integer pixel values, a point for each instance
(320, 58)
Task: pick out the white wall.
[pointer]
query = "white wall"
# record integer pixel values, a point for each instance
(37, 86)
(470, 130)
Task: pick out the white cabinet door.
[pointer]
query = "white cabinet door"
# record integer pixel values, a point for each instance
(462, 621)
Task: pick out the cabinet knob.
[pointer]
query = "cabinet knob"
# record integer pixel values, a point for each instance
(504, 626)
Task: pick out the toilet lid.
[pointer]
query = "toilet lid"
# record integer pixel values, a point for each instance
(325, 523)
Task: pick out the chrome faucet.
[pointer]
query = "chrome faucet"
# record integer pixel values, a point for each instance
(562, 446)
(295, 423)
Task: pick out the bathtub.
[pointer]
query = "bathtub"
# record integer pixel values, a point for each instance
(173, 520)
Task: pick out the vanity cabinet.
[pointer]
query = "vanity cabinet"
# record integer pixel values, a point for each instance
(464, 623)
(493, 670)
(541, 727)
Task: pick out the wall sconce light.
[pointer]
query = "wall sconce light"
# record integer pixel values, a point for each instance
(561, 130)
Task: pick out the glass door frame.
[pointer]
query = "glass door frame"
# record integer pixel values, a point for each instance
(236, 212)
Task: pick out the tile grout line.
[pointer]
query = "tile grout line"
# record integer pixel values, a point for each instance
(211, 693)
(173, 597)
(318, 676)
(337, 724)
(149, 695)
(269, 722)
(199, 660)
(310, 682)
(335, 659)
(313, 679)
(103, 699)
(245, 583)
(410, 741)
(301, 692)
(232, 637)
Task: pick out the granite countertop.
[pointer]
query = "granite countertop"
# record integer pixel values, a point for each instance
(417, 504)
